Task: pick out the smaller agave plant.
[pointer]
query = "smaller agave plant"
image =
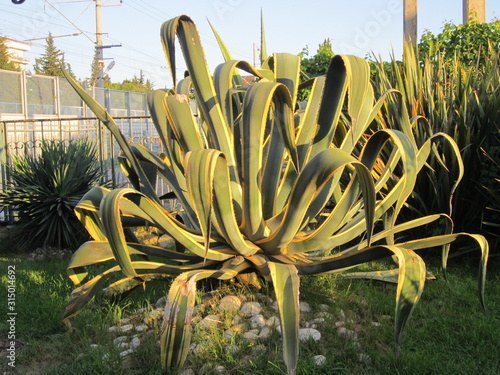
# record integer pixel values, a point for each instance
(267, 186)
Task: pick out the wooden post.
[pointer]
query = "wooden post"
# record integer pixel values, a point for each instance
(410, 21)
(474, 10)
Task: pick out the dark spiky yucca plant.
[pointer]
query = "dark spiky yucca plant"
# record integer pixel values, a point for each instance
(45, 189)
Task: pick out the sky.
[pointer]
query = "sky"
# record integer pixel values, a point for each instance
(359, 27)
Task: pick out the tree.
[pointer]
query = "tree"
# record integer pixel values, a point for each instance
(136, 84)
(469, 42)
(6, 62)
(52, 61)
(316, 65)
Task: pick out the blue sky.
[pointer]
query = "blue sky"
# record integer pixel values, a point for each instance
(357, 27)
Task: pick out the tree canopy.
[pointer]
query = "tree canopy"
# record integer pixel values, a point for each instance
(469, 42)
(6, 62)
(51, 63)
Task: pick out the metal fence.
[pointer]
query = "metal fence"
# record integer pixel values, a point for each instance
(34, 108)
(18, 137)
(25, 96)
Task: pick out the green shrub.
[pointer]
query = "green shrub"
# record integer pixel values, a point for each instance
(445, 95)
(46, 188)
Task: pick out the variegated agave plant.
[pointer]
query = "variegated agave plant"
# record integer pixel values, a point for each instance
(267, 185)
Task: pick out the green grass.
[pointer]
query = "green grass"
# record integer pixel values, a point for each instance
(448, 334)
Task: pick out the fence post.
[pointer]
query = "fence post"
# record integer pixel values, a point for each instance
(3, 163)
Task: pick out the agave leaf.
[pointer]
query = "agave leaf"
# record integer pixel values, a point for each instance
(286, 286)
(110, 123)
(315, 174)
(81, 296)
(287, 72)
(389, 276)
(425, 243)
(424, 151)
(183, 123)
(223, 78)
(256, 108)
(176, 336)
(188, 37)
(331, 105)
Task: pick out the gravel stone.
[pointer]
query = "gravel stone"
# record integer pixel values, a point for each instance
(319, 360)
(126, 353)
(251, 309)
(135, 343)
(228, 334)
(126, 328)
(209, 321)
(257, 321)
(120, 339)
(230, 303)
(309, 333)
(141, 328)
(264, 333)
(161, 302)
(304, 307)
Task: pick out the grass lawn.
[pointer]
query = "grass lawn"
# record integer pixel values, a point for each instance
(448, 333)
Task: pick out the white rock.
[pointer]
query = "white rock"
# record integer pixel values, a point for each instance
(113, 329)
(237, 320)
(318, 320)
(209, 321)
(220, 369)
(161, 302)
(135, 343)
(228, 334)
(304, 307)
(126, 328)
(229, 303)
(123, 345)
(141, 328)
(105, 356)
(120, 339)
(124, 321)
(319, 360)
(94, 346)
(339, 324)
(323, 307)
(325, 314)
(187, 371)
(308, 333)
(126, 353)
(376, 324)
(251, 335)
(257, 321)
(251, 309)
(264, 333)
(273, 321)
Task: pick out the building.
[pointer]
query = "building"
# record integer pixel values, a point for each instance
(16, 50)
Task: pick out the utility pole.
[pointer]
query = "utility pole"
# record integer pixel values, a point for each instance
(410, 21)
(98, 44)
(474, 10)
(99, 47)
